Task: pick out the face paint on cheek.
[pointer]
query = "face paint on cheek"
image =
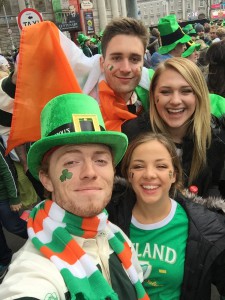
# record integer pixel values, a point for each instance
(141, 69)
(170, 174)
(65, 175)
(110, 67)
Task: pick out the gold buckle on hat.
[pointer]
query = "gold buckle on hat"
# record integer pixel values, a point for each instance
(85, 121)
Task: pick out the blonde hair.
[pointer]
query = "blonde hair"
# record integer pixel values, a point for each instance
(168, 144)
(199, 125)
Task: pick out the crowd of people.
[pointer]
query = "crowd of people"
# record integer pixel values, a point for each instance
(126, 183)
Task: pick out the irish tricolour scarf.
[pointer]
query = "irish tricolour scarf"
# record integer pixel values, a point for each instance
(51, 228)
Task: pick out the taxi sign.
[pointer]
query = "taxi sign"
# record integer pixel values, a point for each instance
(29, 16)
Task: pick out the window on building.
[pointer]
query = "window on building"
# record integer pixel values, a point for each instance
(145, 10)
(201, 3)
(40, 5)
(7, 6)
(108, 5)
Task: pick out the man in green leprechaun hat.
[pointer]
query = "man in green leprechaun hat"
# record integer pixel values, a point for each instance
(173, 40)
(191, 51)
(84, 42)
(73, 251)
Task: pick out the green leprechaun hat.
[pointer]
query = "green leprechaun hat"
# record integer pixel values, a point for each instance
(191, 47)
(93, 40)
(171, 34)
(82, 38)
(187, 28)
(73, 119)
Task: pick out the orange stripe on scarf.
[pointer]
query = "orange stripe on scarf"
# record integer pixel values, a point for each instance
(114, 109)
(43, 73)
(125, 256)
(67, 254)
(39, 225)
(91, 227)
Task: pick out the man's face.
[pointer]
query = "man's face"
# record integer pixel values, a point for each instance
(122, 64)
(80, 178)
(213, 33)
(87, 43)
(201, 33)
(178, 50)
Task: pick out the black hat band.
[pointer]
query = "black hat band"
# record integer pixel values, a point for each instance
(85, 125)
(172, 37)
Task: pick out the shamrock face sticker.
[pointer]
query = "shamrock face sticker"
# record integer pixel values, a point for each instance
(65, 175)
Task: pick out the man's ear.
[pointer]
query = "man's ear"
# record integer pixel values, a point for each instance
(102, 63)
(46, 181)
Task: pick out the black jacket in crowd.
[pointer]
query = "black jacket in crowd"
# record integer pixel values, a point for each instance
(205, 250)
(208, 180)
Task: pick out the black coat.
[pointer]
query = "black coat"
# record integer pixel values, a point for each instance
(208, 180)
(205, 250)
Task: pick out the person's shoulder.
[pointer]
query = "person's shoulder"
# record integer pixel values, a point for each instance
(209, 224)
(218, 128)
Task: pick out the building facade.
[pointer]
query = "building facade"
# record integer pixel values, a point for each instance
(150, 11)
(103, 12)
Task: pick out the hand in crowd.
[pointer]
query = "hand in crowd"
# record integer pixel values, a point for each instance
(16, 207)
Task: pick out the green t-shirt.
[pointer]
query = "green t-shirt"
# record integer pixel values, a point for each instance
(161, 251)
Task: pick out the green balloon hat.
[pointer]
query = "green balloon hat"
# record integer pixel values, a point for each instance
(171, 34)
(73, 119)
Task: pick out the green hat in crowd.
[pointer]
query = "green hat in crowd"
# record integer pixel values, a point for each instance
(93, 40)
(73, 119)
(187, 28)
(171, 34)
(192, 32)
(101, 33)
(82, 38)
(191, 47)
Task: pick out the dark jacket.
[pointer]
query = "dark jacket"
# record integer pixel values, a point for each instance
(208, 180)
(8, 178)
(205, 250)
(87, 51)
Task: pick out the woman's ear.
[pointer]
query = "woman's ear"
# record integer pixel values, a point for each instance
(46, 181)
